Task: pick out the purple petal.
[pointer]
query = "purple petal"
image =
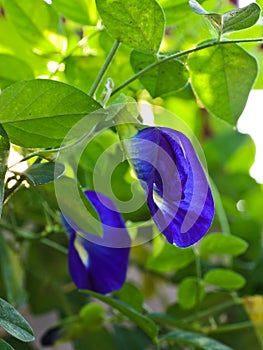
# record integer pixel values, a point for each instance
(99, 263)
(176, 187)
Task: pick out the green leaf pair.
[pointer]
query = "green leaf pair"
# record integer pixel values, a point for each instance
(223, 244)
(234, 20)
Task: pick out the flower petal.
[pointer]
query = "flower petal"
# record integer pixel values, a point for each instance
(99, 263)
(176, 187)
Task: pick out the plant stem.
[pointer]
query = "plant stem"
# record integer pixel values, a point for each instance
(199, 279)
(54, 245)
(220, 209)
(181, 54)
(104, 69)
(211, 310)
(230, 327)
(42, 152)
(12, 190)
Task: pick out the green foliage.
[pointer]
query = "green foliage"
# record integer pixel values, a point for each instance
(4, 154)
(14, 323)
(145, 323)
(42, 112)
(13, 69)
(233, 20)
(92, 316)
(167, 257)
(43, 173)
(195, 339)
(190, 292)
(134, 23)
(81, 11)
(5, 346)
(164, 78)
(216, 79)
(12, 273)
(59, 64)
(224, 278)
(35, 21)
(220, 243)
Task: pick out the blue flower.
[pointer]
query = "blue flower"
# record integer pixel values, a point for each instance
(176, 187)
(99, 263)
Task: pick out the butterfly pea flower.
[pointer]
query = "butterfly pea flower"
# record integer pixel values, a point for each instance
(176, 187)
(99, 263)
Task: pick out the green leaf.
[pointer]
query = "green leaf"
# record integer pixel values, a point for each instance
(129, 339)
(14, 323)
(195, 339)
(138, 24)
(92, 316)
(221, 244)
(190, 292)
(234, 20)
(12, 273)
(13, 69)
(81, 71)
(5, 346)
(167, 257)
(224, 278)
(81, 11)
(4, 154)
(145, 323)
(36, 22)
(39, 113)
(43, 173)
(222, 77)
(241, 18)
(215, 19)
(131, 295)
(164, 78)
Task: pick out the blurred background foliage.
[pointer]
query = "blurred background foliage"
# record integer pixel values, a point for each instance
(215, 288)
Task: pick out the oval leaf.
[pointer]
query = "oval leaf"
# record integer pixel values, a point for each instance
(14, 323)
(221, 244)
(81, 11)
(222, 77)
(138, 24)
(198, 340)
(43, 173)
(241, 18)
(5, 346)
(145, 323)
(190, 292)
(131, 295)
(164, 78)
(13, 69)
(31, 18)
(226, 279)
(39, 113)
(12, 273)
